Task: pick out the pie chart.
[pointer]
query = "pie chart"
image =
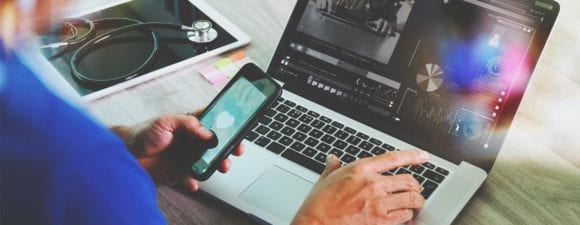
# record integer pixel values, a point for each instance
(431, 78)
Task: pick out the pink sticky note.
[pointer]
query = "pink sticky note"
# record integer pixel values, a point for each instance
(217, 78)
(209, 72)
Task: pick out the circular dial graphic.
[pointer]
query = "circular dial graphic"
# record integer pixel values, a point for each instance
(431, 78)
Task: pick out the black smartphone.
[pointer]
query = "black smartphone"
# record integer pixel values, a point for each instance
(233, 113)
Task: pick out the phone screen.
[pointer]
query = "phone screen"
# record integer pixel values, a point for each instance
(230, 113)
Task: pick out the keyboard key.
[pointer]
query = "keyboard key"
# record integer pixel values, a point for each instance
(325, 119)
(276, 125)
(364, 154)
(316, 133)
(350, 130)
(287, 131)
(433, 176)
(306, 119)
(264, 120)
(280, 99)
(323, 147)
(263, 141)
(419, 179)
(428, 188)
(429, 165)
(328, 139)
(378, 151)
(286, 141)
(297, 146)
(275, 148)
(376, 142)
(321, 157)
(281, 117)
(313, 114)
(262, 130)
(366, 145)
(251, 136)
(417, 169)
(270, 113)
(302, 109)
(329, 129)
(388, 147)
(341, 134)
(347, 158)
(336, 152)
(274, 135)
(289, 103)
(442, 171)
(295, 114)
(340, 144)
(309, 151)
(353, 140)
(403, 171)
(292, 123)
(362, 136)
(318, 124)
(352, 150)
(311, 142)
(304, 128)
(304, 161)
(283, 108)
(299, 136)
(337, 124)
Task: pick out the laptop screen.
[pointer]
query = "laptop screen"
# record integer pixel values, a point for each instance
(443, 75)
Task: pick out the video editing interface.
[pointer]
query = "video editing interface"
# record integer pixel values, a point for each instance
(436, 72)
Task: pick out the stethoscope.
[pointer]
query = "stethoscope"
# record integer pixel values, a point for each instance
(201, 32)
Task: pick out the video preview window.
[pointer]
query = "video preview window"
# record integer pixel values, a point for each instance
(371, 28)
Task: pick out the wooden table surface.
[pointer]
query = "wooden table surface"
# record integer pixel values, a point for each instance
(536, 179)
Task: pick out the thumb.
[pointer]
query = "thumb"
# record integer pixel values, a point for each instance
(332, 164)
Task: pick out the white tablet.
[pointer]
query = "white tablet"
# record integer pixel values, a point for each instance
(95, 67)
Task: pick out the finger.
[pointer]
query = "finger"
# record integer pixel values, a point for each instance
(399, 183)
(191, 184)
(404, 200)
(239, 151)
(225, 166)
(332, 164)
(388, 161)
(400, 216)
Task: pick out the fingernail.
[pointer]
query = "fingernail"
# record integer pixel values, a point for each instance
(330, 158)
(424, 155)
(206, 132)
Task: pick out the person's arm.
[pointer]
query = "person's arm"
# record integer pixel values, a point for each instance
(165, 146)
(359, 194)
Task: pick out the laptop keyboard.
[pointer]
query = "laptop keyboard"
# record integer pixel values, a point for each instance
(306, 137)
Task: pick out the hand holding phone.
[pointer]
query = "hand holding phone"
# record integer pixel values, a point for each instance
(233, 113)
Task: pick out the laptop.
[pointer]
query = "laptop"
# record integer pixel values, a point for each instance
(365, 77)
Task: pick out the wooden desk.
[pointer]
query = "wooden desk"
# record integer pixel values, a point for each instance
(536, 179)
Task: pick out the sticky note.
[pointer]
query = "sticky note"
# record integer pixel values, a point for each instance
(230, 70)
(223, 63)
(217, 78)
(238, 55)
(208, 71)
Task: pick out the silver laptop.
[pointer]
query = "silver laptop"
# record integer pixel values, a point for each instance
(366, 77)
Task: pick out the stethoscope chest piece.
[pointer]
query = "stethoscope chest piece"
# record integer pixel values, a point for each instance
(202, 33)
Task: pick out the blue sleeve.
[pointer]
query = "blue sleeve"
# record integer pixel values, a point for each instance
(59, 167)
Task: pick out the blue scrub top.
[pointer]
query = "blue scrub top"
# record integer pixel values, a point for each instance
(59, 167)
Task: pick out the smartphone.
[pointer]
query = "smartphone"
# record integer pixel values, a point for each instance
(233, 113)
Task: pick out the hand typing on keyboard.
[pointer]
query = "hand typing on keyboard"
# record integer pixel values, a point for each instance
(358, 193)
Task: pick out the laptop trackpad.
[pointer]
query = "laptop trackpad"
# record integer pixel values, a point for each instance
(278, 192)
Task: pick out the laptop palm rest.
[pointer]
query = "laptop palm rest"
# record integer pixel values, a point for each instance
(278, 191)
